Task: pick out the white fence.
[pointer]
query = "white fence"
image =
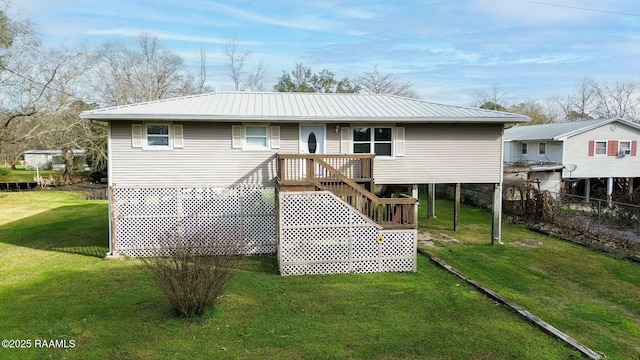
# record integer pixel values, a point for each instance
(321, 234)
(143, 218)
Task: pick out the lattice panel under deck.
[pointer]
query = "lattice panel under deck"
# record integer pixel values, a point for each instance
(209, 218)
(300, 209)
(320, 234)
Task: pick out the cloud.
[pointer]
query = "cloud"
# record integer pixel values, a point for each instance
(305, 22)
(132, 32)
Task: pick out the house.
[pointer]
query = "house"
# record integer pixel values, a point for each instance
(292, 173)
(576, 153)
(48, 159)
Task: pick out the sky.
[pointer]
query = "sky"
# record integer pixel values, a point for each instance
(450, 50)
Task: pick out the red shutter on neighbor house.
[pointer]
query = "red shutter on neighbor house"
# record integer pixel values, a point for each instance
(612, 148)
(634, 147)
(592, 145)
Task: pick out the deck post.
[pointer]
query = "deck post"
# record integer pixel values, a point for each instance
(431, 201)
(496, 225)
(456, 207)
(415, 194)
(281, 168)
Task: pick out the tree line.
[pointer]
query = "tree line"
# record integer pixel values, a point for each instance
(588, 100)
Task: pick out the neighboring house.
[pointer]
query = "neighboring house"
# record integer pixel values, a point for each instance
(291, 173)
(47, 159)
(560, 155)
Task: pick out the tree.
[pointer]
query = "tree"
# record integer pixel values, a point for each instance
(491, 100)
(539, 112)
(377, 83)
(146, 73)
(302, 79)
(243, 80)
(29, 90)
(12, 29)
(592, 100)
(578, 105)
(490, 105)
(618, 100)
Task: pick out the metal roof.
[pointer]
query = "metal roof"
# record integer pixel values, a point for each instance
(558, 131)
(295, 107)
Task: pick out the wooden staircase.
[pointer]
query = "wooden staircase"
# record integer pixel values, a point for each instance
(349, 177)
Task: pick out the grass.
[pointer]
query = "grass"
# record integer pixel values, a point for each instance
(22, 175)
(591, 296)
(56, 285)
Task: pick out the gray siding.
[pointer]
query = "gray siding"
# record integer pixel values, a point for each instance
(445, 153)
(206, 159)
(577, 152)
(435, 153)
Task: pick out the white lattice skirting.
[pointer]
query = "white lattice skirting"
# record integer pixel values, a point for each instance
(143, 218)
(321, 234)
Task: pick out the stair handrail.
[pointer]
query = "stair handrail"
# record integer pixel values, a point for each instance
(371, 196)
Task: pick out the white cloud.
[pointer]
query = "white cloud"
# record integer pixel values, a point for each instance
(133, 32)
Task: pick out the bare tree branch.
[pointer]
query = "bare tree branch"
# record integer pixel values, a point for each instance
(377, 83)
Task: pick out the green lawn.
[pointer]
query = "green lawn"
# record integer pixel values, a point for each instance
(56, 285)
(22, 175)
(591, 296)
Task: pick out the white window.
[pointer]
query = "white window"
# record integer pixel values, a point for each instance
(624, 148)
(601, 148)
(377, 140)
(255, 137)
(542, 148)
(158, 135)
(523, 149)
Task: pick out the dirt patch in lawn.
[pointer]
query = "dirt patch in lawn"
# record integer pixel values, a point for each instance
(530, 243)
(432, 240)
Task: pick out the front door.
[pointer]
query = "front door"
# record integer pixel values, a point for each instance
(311, 142)
(312, 139)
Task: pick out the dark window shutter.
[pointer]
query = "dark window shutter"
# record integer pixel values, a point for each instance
(592, 146)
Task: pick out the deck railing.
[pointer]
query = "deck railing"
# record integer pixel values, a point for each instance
(344, 176)
(304, 169)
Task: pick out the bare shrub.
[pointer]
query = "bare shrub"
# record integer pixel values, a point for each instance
(522, 199)
(191, 278)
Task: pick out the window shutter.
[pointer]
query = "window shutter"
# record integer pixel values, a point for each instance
(345, 140)
(592, 146)
(634, 147)
(400, 148)
(236, 137)
(178, 138)
(136, 135)
(275, 137)
(612, 148)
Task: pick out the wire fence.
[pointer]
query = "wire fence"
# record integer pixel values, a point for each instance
(620, 220)
(604, 224)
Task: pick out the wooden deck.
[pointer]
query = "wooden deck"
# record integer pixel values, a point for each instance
(351, 178)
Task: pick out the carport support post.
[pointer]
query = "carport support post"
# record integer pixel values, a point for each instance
(456, 207)
(587, 189)
(415, 194)
(431, 201)
(496, 225)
